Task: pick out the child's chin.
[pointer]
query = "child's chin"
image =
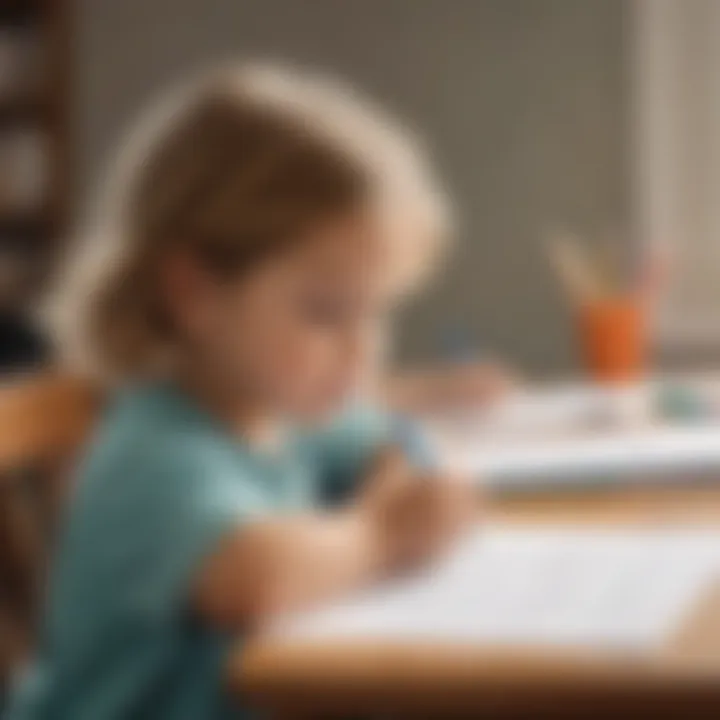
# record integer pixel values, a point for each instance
(323, 411)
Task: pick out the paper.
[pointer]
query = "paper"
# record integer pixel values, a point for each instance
(575, 435)
(619, 455)
(536, 587)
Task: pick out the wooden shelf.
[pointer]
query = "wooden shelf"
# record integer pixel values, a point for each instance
(43, 106)
(14, 226)
(19, 12)
(20, 110)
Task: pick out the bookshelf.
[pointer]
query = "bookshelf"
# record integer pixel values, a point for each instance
(35, 147)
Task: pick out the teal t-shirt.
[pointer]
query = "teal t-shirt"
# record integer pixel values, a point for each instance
(161, 483)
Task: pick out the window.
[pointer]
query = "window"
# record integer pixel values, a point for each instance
(676, 97)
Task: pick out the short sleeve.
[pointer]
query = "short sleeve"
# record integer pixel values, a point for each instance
(171, 509)
(345, 450)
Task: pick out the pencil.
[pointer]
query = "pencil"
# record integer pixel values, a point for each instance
(581, 280)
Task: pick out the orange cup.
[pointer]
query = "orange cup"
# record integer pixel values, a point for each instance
(613, 339)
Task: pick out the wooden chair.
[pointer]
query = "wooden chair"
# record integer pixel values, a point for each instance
(43, 421)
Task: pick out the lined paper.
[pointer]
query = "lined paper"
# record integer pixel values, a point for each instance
(576, 587)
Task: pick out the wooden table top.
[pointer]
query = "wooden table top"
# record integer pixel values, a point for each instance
(446, 680)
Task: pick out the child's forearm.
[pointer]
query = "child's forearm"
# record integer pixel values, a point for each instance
(276, 566)
(316, 558)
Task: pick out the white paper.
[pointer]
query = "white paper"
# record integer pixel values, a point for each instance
(620, 454)
(534, 586)
(575, 435)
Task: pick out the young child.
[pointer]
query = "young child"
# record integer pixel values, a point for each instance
(264, 228)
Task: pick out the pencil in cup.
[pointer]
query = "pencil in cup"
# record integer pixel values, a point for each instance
(613, 338)
(611, 321)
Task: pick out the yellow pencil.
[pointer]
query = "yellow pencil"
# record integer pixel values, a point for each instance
(582, 281)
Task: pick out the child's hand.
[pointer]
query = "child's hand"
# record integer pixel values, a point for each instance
(415, 518)
(451, 387)
(472, 384)
(427, 518)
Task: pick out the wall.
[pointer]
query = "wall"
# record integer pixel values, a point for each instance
(523, 102)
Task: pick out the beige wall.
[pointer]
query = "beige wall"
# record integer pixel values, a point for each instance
(523, 101)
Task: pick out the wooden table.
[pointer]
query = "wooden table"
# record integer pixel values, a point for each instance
(339, 679)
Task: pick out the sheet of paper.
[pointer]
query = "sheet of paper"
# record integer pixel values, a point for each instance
(575, 435)
(547, 587)
(618, 455)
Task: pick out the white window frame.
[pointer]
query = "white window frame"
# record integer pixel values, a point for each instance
(675, 97)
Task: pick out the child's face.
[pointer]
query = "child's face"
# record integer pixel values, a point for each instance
(302, 332)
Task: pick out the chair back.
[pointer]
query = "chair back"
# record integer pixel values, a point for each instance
(43, 422)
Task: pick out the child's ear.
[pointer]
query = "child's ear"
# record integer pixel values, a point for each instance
(187, 290)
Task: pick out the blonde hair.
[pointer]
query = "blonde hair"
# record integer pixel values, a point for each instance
(233, 165)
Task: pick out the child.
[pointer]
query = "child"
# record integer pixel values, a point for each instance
(263, 231)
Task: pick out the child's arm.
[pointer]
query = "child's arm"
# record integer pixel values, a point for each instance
(273, 566)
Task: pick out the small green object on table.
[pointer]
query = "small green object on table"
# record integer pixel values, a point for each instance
(675, 402)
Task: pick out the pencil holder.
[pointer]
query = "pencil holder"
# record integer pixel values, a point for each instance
(614, 339)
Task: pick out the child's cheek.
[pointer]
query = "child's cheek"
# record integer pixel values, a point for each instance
(309, 371)
(292, 363)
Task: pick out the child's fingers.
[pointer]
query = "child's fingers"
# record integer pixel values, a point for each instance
(452, 503)
(388, 472)
(488, 381)
(390, 463)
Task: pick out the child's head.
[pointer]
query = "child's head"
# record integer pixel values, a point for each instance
(265, 230)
